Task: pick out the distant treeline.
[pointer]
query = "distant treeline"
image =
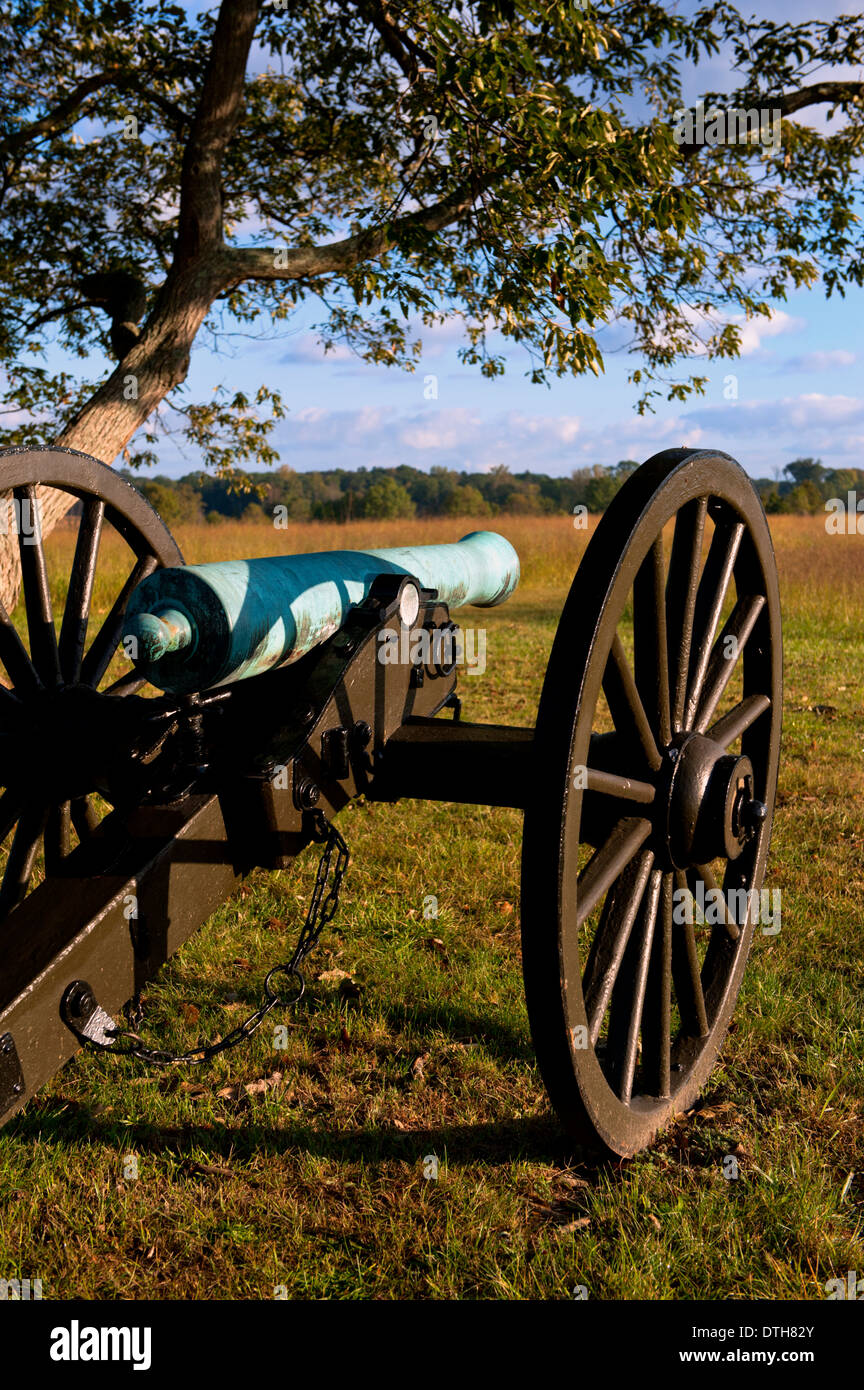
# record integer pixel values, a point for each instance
(340, 494)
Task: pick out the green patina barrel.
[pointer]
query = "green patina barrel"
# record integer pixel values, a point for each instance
(197, 626)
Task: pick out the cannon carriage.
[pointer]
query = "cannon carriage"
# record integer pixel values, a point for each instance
(647, 783)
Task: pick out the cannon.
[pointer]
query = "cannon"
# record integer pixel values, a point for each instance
(219, 717)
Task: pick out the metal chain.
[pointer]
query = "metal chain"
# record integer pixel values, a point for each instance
(322, 909)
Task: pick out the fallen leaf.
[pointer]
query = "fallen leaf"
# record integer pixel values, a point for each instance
(263, 1084)
(192, 1088)
(210, 1170)
(434, 943)
(333, 977)
(190, 1012)
(558, 1213)
(655, 1221)
(504, 908)
(578, 1225)
(710, 1112)
(233, 1092)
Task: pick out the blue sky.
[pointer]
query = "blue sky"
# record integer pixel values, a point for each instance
(799, 384)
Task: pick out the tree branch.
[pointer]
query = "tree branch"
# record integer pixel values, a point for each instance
(817, 94)
(58, 114)
(216, 116)
(70, 104)
(396, 43)
(259, 263)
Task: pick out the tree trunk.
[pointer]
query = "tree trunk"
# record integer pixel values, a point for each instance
(156, 364)
(52, 507)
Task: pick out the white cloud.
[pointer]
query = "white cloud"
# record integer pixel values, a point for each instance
(752, 332)
(819, 361)
(778, 417)
(309, 348)
(763, 434)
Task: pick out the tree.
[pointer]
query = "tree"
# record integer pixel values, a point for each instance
(401, 163)
(806, 471)
(387, 498)
(464, 500)
(805, 497)
(600, 490)
(174, 504)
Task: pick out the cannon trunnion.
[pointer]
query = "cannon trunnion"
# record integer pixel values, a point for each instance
(647, 785)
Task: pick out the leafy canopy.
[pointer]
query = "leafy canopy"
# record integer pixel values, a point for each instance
(508, 162)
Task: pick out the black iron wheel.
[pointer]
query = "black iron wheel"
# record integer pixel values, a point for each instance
(59, 680)
(646, 836)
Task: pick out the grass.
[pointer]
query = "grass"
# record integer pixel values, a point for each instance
(300, 1170)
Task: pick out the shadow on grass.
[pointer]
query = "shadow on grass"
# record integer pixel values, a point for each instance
(61, 1124)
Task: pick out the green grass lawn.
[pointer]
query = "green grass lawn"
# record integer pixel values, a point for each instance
(301, 1169)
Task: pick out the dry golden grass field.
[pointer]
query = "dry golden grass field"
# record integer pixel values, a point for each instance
(313, 1185)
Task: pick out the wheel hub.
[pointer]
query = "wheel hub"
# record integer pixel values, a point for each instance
(68, 741)
(707, 801)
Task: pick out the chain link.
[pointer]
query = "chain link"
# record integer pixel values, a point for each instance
(322, 909)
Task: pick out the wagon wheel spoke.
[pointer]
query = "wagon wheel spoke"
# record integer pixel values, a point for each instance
(76, 615)
(687, 972)
(22, 857)
(610, 940)
(657, 1011)
(104, 644)
(621, 788)
(11, 806)
(727, 649)
(650, 644)
(727, 921)
(626, 707)
(15, 657)
(126, 685)
(710, 598)
(37, 594)
(604, 866)
(84, 817)
(628, 995)
(730, 728)
(57, 837)
(681, 587)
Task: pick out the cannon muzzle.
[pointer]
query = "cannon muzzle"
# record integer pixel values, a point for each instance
(197, 626)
